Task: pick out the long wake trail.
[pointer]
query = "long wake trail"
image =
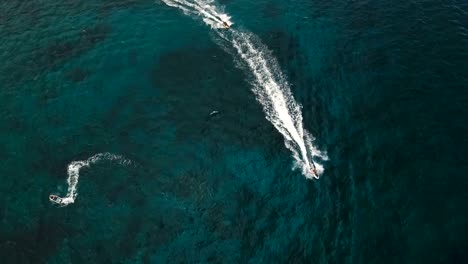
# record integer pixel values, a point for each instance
(73, 172)
(269, 84)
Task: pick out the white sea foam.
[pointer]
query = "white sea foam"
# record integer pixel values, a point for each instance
(269, 85)
(74, 168)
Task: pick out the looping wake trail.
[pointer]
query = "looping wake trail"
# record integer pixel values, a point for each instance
(269, 84)
(74, 168)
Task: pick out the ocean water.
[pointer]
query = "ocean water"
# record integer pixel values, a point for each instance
(381, 86)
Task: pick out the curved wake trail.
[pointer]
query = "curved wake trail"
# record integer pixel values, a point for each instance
(73, 172)
(269, 84)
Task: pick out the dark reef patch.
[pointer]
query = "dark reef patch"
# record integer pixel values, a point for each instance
(33, 245)
(78, 74)
(61, 50)
(92, 35)
(54, 54)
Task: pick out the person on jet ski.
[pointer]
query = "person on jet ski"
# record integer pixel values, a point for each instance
(55, 199)
(314, 170)
(226, 25)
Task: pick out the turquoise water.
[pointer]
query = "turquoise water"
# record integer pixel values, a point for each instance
(382, 87)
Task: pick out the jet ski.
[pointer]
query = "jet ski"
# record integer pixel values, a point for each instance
(226, 25)
(56, 200)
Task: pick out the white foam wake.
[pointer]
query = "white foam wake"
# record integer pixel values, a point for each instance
(73, 172)
(269, 84)
(204, 9)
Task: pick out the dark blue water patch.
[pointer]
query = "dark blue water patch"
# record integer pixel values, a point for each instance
(225, 2)
(412, 111)
(36, 244)
(123, 4)
(78, 74)
(108, 7)
(13, 11)
(283, 45)
(272, 10)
